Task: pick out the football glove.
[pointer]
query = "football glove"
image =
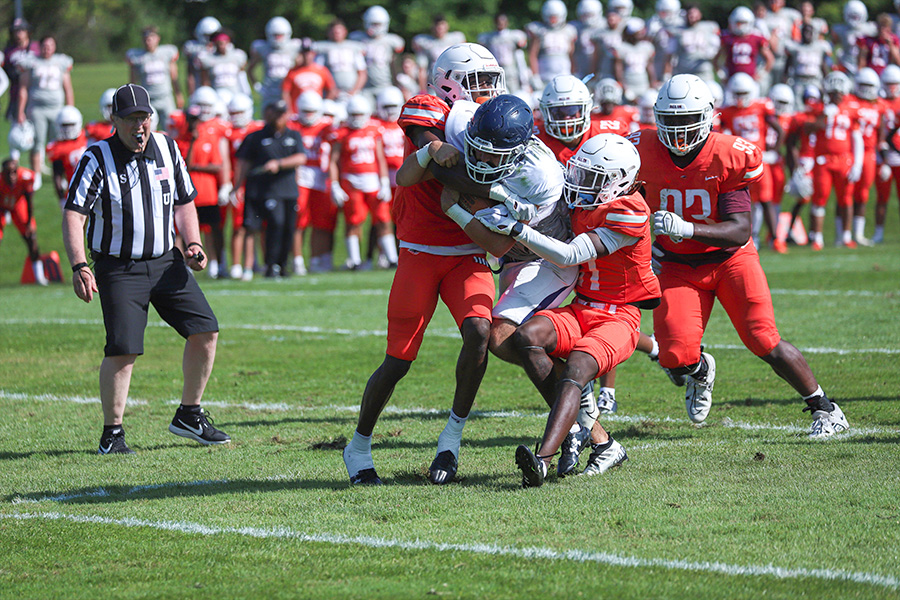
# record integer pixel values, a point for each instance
(338, 195)
(670, 224)
(497, 219)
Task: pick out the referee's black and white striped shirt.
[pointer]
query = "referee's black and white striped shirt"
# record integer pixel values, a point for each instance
(129, 197)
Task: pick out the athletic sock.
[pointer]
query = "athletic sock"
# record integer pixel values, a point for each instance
(819, 401)
(358, 453)
(654, 353)
(353, 255)
(388, 247)
(859, 227)
(451, 436)
(192, 409)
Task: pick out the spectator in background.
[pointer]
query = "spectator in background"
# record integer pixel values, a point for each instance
(507, 45)
(223, 68)
(588, 24)
(192, 49)
(267, 163)
(551, 44)
(883, 49)
(16, 192)
(155, 68)
(344, 58)
(19, 47)
(45, 87)
(277, 54)
(696, 46)
(379, 48)
(307, 76)
(429, 47)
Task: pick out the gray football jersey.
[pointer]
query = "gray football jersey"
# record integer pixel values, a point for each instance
(276, 64)
(345, 60)
(45, 87)
(224, 69)
(379, 54)
(153, 69)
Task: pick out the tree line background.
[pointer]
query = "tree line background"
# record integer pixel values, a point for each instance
(102, 30)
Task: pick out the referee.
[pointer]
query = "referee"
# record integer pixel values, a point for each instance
(133, 189)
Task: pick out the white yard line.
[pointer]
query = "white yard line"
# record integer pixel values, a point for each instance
(530, 553)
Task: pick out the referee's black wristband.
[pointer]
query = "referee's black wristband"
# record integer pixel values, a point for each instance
(79, 267)
(195, 244)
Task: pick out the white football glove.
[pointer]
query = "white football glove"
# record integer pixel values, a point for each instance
(338, 195)
(384, 192)
(670, 224)
(520, 211)
(770, 157)
(884, 172)
(225, 194)
(497, 219)
(855, 172)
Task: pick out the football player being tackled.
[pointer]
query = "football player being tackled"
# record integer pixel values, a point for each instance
(697, 182)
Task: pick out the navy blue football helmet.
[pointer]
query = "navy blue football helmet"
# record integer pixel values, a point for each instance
(496, 138)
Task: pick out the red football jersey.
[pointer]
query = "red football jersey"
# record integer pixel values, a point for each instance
(625, 276)
(204, 151)
(836, 136)
(9, 195)
(742, 52)
(99, 130)
(357, 148)
(68, 152)
(236, 138)
(394, 143)
(562, 152)
(749, 122)
(870, 115)
(416, 210)
(314, 77)
(725, 164)
(622, 120)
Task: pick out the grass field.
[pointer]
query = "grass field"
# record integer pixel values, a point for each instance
(742, 507)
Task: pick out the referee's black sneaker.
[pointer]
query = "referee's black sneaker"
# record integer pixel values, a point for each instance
(113, 442)
(196, 425)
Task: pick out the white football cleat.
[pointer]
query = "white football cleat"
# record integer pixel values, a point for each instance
(601, 462)
(237, 271)
(698, 396)
(606, 402)
(825, 424)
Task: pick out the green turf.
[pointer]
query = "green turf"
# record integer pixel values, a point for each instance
(743, 507)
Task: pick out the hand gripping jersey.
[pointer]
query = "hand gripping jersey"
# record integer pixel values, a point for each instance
(416, 210)
(68, 152)
(726, 163)
(625, 276)
(748, 122)
(836, 137)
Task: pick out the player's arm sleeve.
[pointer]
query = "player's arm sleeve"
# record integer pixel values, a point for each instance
(579, 250)
(87, 183)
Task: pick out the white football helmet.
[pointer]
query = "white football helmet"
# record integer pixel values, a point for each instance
(69, 123)
(741, 20)
(645, 104)
(310, 107)
(783, 98)
(106, 102)
(590, 12)
(278, 31)
(554, 13)
(868, 85)
(335, 110)
(717, 92)
(609, 90)
(742, 89)
(240, 110)
(465, 68)
(684, 113)
(604, 168)
(208, 100)
(668, 10)
(811, 95)
(623, 7)
(21, 137)
(855, 13)
(837, 83)
(205, 28)
(376, 21)
(566, 108)
(890, 80)
(388, 103)
(359, 111)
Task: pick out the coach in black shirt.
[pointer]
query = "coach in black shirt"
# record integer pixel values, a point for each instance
(132, 189)
(268, 161)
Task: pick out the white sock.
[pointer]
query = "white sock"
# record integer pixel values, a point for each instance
(859, 227)
(879, 233)
(352, 242)
(848, 236)
(609, 390)
(38, 268)
(213, 268)
(818, 392)
(388, 247)
(654, 353)
(358, 454)
(451, 436)
(818, 238)
(299, 265)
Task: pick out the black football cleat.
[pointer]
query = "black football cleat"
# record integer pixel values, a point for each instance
(366, 477)
(443, 468)
(534, 470)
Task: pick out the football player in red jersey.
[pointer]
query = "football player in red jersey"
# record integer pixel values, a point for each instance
(314, 205)
(388, 103)
(611, 115)
(100, 130)
(751, 118)
(16, 192)
(872, 111)
(600, 327)
(437, 261)
(66, 151)
(839, 158)
(742, 46)
(800, 143)
(782, 97)
(240, 114)
(697, 181)
(890, 155)
(359, 180)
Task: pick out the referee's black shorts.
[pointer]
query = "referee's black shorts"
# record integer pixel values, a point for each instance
(128, 287)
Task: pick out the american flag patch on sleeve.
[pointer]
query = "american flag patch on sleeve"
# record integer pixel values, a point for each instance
(161, 174)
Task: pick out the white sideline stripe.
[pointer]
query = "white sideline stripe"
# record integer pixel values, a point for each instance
(102, 492)
(434, 332)
(532, 553)
(484, 414)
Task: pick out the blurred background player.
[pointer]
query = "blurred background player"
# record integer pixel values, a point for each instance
(508, 46)
(380, 49)
(20, 46)
(611, 114)
(16, 194)
(551, 44)
(277, 54)
(223, 67)
(807, 61)
(192, 48)
(882, 49)
(155, 68)
(634, 66)
(344, 58)
(800, 155)
(428, 47)
(360, 185)
(588, 23)
(388, 104)
(64, 153)
(240, 113)
(307, 75)
(696, 46)
(102, 129)
(889, 170)
(743, 48)
(665, 23)
(872, 111)
(846, 36)
(782, 98)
